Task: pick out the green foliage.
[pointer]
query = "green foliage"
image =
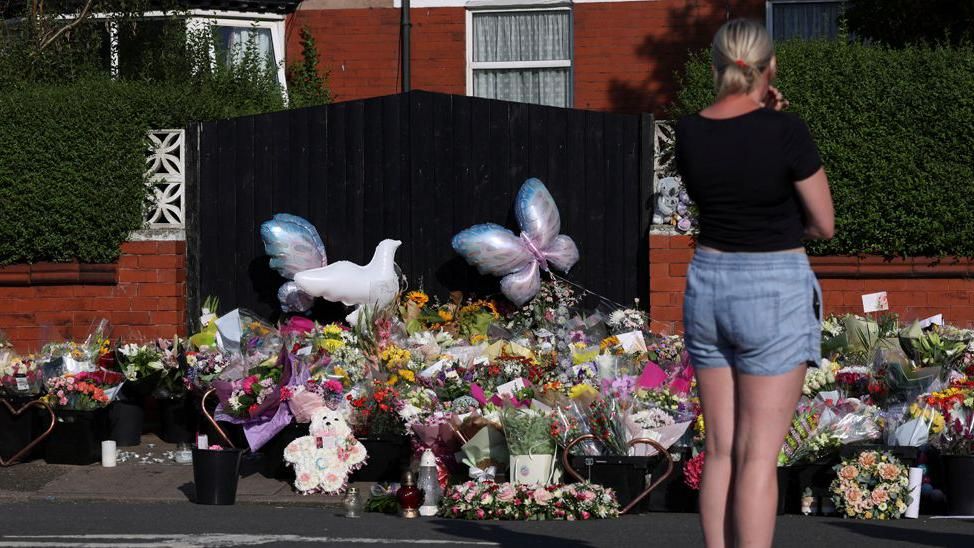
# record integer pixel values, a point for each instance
(73, 139)
(71, 164)
(307, 86)
(901, 22)
(895, 129)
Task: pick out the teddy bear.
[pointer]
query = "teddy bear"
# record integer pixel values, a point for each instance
(323, 459)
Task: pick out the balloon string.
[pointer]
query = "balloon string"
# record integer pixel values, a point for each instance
(576, 286)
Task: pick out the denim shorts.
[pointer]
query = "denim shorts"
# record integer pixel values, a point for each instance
(759, 313)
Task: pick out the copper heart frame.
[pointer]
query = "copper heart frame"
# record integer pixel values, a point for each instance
(26, 449)
(660, 450)
(213, 423)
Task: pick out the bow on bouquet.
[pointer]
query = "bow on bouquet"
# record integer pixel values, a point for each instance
(485, 451)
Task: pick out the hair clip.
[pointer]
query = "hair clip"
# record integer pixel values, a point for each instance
(740, 63)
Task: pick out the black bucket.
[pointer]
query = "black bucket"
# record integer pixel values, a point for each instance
(272, 453)
(126, 419)
(387, 459)
(179, 420)
(959, 473)
(76, 438)
(215, 475)
(624, 475)
(17, 431)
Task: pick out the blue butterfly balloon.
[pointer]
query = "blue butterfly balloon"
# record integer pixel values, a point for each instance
(294, 246)
(496, 250)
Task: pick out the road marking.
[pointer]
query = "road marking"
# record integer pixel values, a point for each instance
(204, 540)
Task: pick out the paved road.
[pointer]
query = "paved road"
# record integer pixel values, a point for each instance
(113, 525)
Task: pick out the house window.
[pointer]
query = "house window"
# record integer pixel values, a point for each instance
(232, 43)
(521, 55)
(133, 51)
(804, 19)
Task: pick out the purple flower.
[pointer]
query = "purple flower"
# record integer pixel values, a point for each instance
(684, 225)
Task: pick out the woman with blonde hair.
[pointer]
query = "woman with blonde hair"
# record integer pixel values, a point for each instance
(752, 308)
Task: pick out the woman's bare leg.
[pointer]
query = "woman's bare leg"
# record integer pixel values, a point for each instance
(765, 407)
(716, 387)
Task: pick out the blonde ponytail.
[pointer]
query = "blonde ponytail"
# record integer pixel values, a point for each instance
(742, 51)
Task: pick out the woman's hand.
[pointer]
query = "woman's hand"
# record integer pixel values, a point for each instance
(774, 99)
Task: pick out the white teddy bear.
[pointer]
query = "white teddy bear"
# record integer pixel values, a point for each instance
(323, 460)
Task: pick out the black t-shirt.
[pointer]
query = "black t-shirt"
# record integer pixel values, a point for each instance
(741, 173)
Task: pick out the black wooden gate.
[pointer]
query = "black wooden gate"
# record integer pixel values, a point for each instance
(417, 167)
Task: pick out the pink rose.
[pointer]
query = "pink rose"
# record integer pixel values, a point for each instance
(585, 496)
(586, 515)
(480, 513)
(542, 496)
(506, 494)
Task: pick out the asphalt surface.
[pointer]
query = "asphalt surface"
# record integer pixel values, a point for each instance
(112, 525)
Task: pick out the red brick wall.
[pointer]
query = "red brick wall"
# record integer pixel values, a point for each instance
(626, 53)
(143, 296)
(917, 288)
(360, 48)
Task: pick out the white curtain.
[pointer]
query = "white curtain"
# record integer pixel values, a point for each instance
(237, 39)
(519, 37)
(538, 86)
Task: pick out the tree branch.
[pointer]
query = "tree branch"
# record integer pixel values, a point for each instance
(77, 21)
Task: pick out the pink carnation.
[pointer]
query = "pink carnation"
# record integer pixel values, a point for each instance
(693, 471)
(248, 384)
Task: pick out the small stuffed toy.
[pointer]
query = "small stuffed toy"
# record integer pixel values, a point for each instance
(323, 460)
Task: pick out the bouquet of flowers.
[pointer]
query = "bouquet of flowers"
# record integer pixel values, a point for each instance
(872, 485)
(85, 391)
(374, 411)
(171, 383)
(818, 380)
(203, 367)
(253, 395)
(956, 405)
(138, 362)
(510, 501)
(19, 375)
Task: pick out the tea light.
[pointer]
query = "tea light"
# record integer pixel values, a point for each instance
(108, 452)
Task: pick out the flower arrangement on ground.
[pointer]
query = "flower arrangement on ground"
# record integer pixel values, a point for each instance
(872, 485)
(82, 392)
(510, 501)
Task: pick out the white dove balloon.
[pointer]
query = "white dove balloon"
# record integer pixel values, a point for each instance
(496, 250)
(297, 253)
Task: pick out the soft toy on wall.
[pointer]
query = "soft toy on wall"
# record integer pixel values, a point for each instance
(323, 460)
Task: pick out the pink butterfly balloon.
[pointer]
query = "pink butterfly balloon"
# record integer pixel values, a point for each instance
(496, 250)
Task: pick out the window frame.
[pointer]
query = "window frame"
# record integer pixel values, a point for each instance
(769, 9)
(472, 66)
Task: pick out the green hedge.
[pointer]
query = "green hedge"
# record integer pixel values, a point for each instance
(72, 160)
(895, 128)
(73, 140)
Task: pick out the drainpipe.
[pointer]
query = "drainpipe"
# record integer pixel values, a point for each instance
(404, 31)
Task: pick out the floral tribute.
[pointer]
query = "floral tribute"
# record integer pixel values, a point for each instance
(872, 485)
(511, 501)
(323, 460)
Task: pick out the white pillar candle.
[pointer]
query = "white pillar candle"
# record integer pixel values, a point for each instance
(916, 482)
(108, 451)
